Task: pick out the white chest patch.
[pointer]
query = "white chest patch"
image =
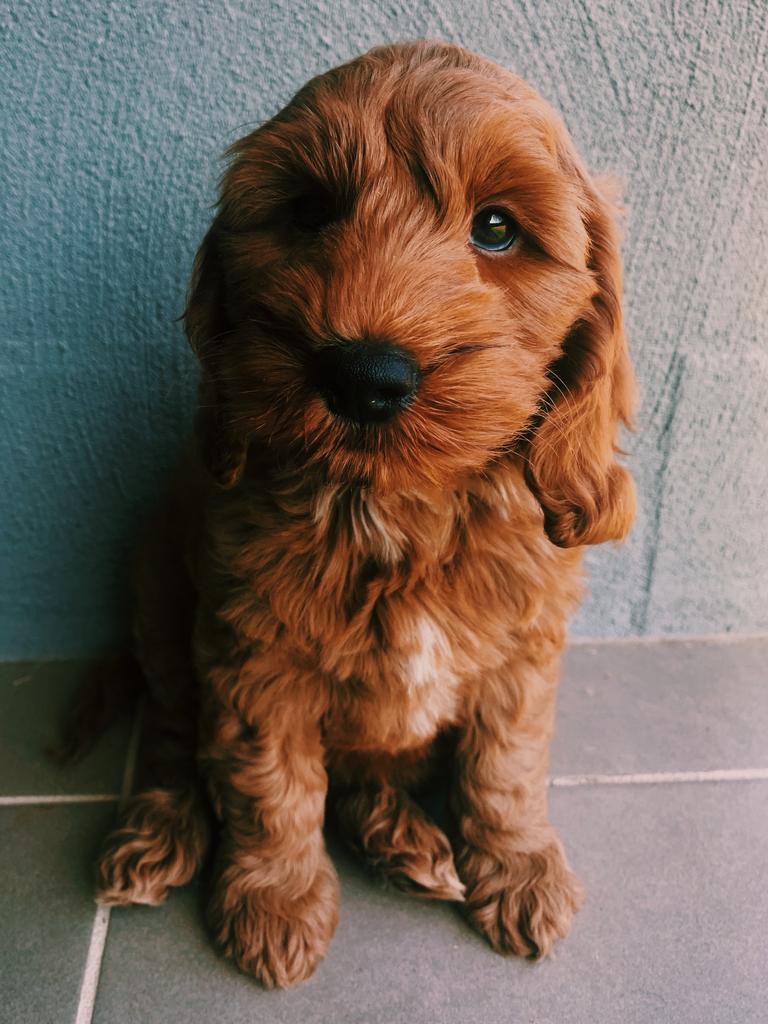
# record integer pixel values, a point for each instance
(428, 674)
(430, 658)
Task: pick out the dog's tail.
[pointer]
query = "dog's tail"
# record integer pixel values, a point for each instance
(110, 690)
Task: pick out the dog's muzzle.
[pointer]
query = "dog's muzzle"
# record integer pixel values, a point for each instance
(366, 381)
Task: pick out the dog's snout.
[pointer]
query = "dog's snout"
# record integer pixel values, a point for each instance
(366, 381)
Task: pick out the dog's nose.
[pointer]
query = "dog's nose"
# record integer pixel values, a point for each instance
(366, 381)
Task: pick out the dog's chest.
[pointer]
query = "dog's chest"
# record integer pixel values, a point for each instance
(398, 693)
(415, 653)
(398, 615)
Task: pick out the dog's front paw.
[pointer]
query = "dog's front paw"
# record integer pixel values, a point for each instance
(522, 902)
(270, 933)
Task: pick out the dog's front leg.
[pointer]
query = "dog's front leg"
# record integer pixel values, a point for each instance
(274, 907)
(521, 893)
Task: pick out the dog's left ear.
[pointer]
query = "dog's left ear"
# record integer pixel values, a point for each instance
(222, 450)
(571, 464)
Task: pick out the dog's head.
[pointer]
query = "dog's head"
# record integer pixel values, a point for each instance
(411, 275)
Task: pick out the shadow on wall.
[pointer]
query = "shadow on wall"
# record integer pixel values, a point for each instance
(105, 196)
(98, 388)
(92, 452)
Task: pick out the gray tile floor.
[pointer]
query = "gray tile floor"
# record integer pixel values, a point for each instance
(660, 789)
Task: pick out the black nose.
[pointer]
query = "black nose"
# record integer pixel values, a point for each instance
(366, 381)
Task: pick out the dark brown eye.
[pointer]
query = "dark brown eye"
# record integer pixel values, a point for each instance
(493, 230)
(314, 210)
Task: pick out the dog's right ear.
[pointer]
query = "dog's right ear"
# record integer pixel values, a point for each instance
(221, 448)
(571, 464)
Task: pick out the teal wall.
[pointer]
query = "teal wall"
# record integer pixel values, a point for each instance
(113, 116)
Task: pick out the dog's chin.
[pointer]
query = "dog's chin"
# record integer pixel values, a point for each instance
(392, 467)
(406, 455)
(360, 461)
(381, 476)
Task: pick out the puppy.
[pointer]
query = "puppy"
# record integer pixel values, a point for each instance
(407, 313)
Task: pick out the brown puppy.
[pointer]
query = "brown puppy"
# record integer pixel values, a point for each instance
(407, 313)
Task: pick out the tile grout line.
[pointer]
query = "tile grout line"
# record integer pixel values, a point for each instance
(556, 781)
(90, 982)
(660, 778)
(661, 639)
(98, 942)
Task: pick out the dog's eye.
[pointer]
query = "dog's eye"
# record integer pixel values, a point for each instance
(313, 210)
(493, 230)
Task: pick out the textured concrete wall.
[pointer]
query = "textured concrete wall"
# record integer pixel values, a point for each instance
(113, 115)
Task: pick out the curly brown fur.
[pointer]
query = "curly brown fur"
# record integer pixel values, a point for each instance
(327, 598)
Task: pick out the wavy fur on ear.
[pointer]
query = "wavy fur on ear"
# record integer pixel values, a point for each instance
(586, 495)
(222, 450)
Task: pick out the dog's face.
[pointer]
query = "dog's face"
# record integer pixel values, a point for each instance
(410, 275)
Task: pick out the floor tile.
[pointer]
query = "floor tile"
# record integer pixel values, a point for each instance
(674, 930)
(669, 706)
(33, 697)
(46, 908)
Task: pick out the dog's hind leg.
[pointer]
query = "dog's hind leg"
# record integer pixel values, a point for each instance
(399, 841)
(163, 832)
(160, 843)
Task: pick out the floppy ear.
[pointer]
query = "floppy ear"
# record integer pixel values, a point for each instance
(571, 466)
(222, 450)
